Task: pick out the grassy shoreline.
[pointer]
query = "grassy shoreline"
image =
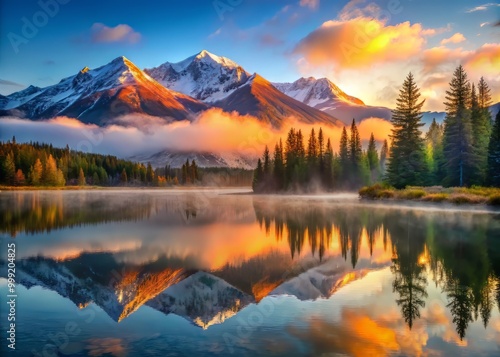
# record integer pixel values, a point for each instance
(455, 195)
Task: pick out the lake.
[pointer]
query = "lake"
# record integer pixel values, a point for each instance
(227, 273)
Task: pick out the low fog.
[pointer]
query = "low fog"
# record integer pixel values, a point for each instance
(213, 131)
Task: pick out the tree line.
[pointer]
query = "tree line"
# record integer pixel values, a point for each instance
(316, 166)
(463, 151)
(36, 164)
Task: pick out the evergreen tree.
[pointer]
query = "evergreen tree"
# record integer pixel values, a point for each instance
(494, 154)
(194, 171)
(373, 160)
(50, 172)
(35, 175)
(95, 179)
(384, 154)
(266, 159)
(81, 178)
(434, 141)
(458, 142)
(150, 175)
(279, 167)
(481, 130)
(321, 152)
(123, 177)
(356, 167)
(312, 154)
(257, 177)
(9, 169)
(328, 175)
(344, 158)
(407, 161)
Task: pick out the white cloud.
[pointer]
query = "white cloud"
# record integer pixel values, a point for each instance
(483, 7)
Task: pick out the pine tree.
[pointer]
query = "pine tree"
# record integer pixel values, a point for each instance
(279, 167)
(95, 179)
(384, 154)
(50, 172)
(328, 166)
(481, 130)
(484, 96)
(184, 174)
(344, 157)
(312, 153)
(257, 177)
(266, 159)
(36, 171)
(81, 178)
(9, 168)
(356, 167)
(194, 172)
(150, 175)
(434, 141)
(321, 151)
(494, 154)
(458, 142)
(373, 160)
(123, 177)
(407, 160)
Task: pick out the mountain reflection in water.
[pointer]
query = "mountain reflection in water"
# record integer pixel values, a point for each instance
(205, 256)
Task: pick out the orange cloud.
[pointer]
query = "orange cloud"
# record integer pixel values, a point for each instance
(435, 57)
(456, 38)
(486, 58)
(361, 42)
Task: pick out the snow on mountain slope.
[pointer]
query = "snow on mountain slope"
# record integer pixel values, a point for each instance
(204, 76)
(324, 280)
(98, 95)
(202, 299)
(312, 91)
(324, 95)
(203, 159)
(259, 98)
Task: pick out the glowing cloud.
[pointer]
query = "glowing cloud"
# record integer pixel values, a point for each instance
(456, 38)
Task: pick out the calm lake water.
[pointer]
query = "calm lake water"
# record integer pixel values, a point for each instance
(214, 273)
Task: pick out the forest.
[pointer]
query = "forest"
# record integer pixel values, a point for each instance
(42, 165)
(464, 151)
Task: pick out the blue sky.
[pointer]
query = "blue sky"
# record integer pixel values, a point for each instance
(262, 36)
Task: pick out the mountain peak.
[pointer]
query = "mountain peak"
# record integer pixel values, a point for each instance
(206, 56)
(204, 76)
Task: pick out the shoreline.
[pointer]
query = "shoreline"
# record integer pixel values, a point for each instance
(453, 196)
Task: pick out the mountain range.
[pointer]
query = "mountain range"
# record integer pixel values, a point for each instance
(202, 298)
(182, 90)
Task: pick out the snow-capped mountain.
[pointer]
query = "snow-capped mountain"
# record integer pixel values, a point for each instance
(223, 83)
(313, 92)
(259, 98)
(101, 94)
(202, 299)
(204, 76)
(203, 159)
(324, 95)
